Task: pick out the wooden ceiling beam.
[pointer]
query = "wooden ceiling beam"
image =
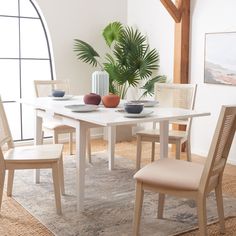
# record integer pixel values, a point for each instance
(172, 9)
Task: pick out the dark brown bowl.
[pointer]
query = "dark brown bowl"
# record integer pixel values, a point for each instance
(134, 108)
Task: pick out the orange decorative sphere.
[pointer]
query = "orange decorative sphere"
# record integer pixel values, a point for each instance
(111, 100)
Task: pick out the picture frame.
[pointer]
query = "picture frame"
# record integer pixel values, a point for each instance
(220, 58)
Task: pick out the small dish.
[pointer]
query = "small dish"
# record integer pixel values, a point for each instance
(82, 107)
(139, 115)
(146, 103)
(66, 97)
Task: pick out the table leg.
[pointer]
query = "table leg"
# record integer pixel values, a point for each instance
(111, 146)
(38, 140)
(80, 163)
(164, 138)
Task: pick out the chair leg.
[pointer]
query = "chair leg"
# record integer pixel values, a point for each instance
(88, 146)
(138, 152)
(202, 218)
(138, 208)
(10, 182)
(56, 184)
(61, 176)
(42, 135)
(153, 152)
(178, 150)
(161, 203)
(220, 207)
(2, 178)
(71, 143)
(55, 137)
(188, 150)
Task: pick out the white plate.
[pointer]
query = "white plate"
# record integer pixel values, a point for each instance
(139, 115)
(82, 107)
(146, 103)
(66, 97)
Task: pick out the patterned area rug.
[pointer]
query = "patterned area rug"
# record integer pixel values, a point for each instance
(109, 203)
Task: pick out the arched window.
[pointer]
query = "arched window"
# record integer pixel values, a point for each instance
(24, 56)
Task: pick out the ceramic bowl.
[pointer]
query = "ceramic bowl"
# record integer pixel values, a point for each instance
(135, 108)
(58, 93)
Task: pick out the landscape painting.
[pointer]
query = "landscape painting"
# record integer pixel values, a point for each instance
(220, 58)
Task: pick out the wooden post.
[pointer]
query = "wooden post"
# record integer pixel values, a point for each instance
(180, 12)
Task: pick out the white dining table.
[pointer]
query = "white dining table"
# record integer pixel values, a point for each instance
(46, 107)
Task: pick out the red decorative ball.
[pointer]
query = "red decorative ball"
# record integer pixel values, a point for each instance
(92, 98)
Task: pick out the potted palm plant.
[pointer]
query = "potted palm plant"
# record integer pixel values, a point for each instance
(130, 62)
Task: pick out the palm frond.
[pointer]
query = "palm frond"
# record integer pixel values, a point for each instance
(149, 85)
(112, 32)
(85, 52)
(149, 63)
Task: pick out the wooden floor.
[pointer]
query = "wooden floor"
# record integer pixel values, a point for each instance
(15, 220)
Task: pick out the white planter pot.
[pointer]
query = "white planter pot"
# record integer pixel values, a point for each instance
(100, 83)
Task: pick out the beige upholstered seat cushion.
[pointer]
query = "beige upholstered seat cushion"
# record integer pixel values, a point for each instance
(171, 174)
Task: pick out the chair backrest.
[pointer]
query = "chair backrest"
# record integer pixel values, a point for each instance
(5, 133)
(175, 95)
(178, 96)
(43, 88)
(219, 149)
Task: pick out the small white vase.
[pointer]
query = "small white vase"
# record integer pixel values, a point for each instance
(100, 83)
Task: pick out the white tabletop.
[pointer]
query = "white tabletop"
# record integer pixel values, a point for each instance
(109, 117)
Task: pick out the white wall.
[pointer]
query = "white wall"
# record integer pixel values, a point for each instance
(86, 19)
(81, 19)
(207, 16)
(152, 20)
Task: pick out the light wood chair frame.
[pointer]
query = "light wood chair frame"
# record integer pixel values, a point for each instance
(211, 177)
(176, 137)
(17, 158)
(54, 128)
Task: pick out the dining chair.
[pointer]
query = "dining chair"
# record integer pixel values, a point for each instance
(188, 179)
(43, 88)
(170, 95)
(28, 157)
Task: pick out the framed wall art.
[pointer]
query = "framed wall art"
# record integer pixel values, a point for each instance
(220, 58)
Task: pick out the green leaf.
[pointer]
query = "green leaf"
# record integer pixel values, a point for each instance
(149, 85)
(85, 52)
(112, 32)
(130, 59)
(149, 63)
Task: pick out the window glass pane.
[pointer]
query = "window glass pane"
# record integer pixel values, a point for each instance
(33, 40)
(13, 116)
(28, 118)
(9, 39)
(17, 74)
(27, 9)
(10, 81)
(33, 70)
(9, 7)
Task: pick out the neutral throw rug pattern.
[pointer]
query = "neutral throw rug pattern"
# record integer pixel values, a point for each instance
(109, 203)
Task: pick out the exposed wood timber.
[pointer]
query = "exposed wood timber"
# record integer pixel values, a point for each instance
(172, 9)
(180, 12)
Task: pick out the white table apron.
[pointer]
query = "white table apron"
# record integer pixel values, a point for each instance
(82, 123)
